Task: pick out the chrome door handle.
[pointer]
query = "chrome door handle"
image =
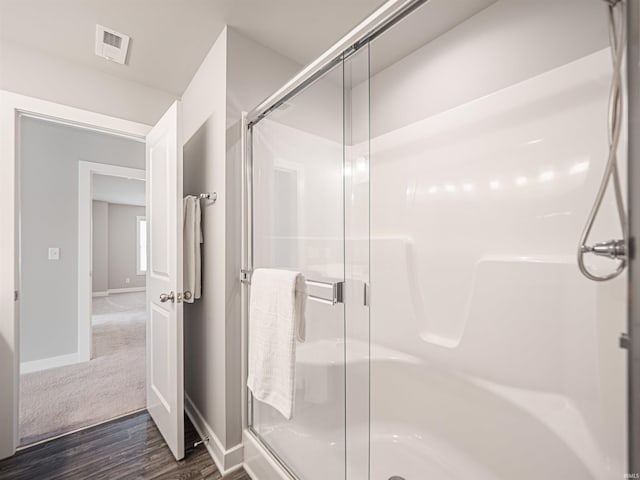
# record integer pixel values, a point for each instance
(170, 296)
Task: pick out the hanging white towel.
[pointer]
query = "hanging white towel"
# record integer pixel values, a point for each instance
(192, 238)
(276, 321)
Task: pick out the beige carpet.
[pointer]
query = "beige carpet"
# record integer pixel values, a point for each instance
(63, 399)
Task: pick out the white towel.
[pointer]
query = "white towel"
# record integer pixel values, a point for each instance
(192, 238)
(276, 314)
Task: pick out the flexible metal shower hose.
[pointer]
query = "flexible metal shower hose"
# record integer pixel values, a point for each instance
(616, 249)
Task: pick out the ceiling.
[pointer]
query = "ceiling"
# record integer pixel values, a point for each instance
(127, 191)
(170, 38)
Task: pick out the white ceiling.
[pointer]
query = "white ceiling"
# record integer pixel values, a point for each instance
(170, 38)
(127, 191)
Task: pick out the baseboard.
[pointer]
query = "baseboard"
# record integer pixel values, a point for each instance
(106, 293)
(227, 461)
(126, 290)
(47, 363)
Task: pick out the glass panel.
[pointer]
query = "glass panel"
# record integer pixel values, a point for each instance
(298, 224)
(491, 356)
(356, 181)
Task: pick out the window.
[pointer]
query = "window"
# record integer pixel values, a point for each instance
(141, 229)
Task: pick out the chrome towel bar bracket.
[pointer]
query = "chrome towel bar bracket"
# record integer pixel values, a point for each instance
(213, 196)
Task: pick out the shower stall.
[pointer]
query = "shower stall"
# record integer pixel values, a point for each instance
(430, 175)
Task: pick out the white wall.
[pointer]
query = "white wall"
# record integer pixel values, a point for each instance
(49, 155)
(123, 246)
(236, 74)
(510, 41)
(31, 72)
(100, 251)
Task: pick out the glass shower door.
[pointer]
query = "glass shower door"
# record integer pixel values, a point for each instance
(311, 214)
(298, 224)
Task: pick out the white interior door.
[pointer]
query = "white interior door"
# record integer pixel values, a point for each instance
(165, 380)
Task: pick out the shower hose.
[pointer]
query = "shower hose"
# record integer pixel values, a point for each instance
(614, 249)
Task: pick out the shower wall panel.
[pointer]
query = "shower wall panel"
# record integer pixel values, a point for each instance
(491, 356)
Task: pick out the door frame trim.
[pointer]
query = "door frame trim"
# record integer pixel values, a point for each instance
(12, 107)
(86, 170)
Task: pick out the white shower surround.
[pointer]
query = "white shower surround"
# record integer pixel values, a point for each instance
(525, 345)
(489, 356)
(519, 373)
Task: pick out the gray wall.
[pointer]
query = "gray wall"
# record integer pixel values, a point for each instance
(123, 246)
(49, 208)
(236, 75)
(100, 250)
(203, 113)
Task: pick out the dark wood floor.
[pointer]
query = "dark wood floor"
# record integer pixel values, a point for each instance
(127, 448)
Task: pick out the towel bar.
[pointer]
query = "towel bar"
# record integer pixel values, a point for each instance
(329, 293)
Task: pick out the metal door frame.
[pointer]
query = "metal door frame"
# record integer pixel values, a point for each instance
(633, 164)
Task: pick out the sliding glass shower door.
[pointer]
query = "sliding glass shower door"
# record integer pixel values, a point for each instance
(311, 214)
(438, 177)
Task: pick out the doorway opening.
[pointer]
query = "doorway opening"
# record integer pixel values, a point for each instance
(82, 273)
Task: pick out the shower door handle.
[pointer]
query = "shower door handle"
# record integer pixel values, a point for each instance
(366, 300)
(329, 293)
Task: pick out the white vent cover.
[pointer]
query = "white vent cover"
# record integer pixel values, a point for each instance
(111, 45)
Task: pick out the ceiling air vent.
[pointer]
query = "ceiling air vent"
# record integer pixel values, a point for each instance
(111, 45)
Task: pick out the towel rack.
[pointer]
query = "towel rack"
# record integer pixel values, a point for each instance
(327, 292)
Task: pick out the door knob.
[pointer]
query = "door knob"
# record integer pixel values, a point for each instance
(170, 296)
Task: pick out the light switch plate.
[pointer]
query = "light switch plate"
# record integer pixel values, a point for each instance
(54, 253)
